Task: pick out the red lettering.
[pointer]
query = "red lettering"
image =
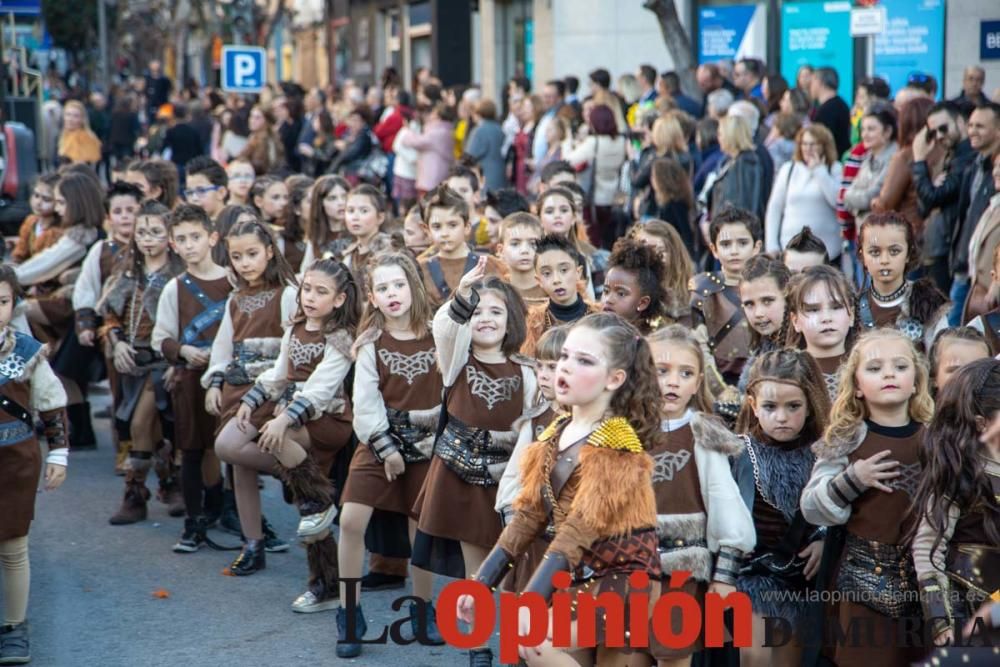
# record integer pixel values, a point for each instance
(537, 611)
(715, 626)
(562, 610)
(447, 618)
(690, 614)
(638, 610)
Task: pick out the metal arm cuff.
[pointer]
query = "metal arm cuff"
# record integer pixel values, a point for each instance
(300, 411)
(254, 398)
(382, 445)
(727, 565)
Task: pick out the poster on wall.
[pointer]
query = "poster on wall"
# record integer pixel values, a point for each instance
(912, 42)
(731, 32)
(818, 34)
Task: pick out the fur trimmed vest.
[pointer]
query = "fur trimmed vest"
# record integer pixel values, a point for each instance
(683, 537)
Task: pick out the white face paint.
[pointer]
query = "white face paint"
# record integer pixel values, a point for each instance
(824, 320)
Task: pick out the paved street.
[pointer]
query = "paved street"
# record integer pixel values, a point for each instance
(93, 603)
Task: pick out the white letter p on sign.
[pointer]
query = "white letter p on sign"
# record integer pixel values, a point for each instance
(243, 69)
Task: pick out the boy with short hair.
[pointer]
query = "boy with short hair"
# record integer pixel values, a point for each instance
(519, 233)
(803, 250)
(207, 185)
(446, 216)
(122, 205)
(188, 314)
(735, 236)
(559, 269)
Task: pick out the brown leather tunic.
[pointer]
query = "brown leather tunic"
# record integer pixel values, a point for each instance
(880, 516)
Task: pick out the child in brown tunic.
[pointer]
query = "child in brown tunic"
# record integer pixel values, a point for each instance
(300, 412)
(129, 310)
(187, 319)
(447, 216)
(715, 301)
(80, 358)
(956, 549)
(865, 479)
(249, 337)
(489, 386)
(700, 514)
(397, 399)
(821, 319)
(27, 384)
(590, 475)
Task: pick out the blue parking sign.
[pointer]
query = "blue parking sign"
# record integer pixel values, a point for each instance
(243, 69)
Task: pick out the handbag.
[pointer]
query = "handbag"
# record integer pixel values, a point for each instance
(375, 165)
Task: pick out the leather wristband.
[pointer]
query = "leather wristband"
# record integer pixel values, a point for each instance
(496, 566)
(461, 310)
(541, 581)
(383, 445)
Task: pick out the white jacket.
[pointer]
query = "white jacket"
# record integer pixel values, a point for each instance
(610, 156)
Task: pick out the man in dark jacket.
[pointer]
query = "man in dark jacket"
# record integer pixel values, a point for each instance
(945, 131)
(182, 140)
(974, 197)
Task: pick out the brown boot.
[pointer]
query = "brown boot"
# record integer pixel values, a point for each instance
(133, 508)
(312, 493)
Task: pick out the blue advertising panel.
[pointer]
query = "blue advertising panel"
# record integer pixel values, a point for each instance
(729, 32)
(818, 34)
(20, 6)
(989, 40)
(913, 41)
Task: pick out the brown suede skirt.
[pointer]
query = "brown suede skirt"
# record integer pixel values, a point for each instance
(450, 508)
(367, 485)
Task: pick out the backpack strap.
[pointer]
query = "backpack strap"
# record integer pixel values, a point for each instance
(211, 314)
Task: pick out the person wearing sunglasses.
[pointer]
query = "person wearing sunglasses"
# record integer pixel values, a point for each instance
(941, 154)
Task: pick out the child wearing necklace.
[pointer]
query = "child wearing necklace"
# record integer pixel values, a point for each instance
(887, 248)
(129, 311)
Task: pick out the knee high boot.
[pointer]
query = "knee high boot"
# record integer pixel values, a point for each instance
(133, 508)
(121, 456)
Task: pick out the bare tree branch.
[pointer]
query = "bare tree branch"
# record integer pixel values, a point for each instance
(677, 41)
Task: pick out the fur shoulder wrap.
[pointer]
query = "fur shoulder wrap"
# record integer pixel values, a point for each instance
(709, 432)
(615, 494)
(369, 335)
(341, 341)
(832, 447)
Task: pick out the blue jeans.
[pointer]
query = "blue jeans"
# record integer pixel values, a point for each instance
(959, 293)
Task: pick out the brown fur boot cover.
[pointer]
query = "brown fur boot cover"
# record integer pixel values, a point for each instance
(311, 489)
(324, 568)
